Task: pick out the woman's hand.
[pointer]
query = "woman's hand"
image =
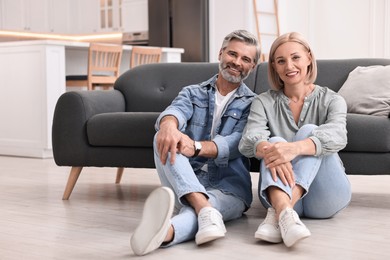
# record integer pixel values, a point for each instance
(285, 173)
(277, 158)
(279, 153)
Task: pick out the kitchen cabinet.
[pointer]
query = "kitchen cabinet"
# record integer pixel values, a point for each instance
(74, 16)
(135, 15)
(24, 15)
(84, 16)
(110, 15)
(59, 16)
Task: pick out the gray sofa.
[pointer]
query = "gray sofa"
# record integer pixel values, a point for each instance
(115, 128)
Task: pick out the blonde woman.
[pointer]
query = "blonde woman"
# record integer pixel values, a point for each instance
(296, 130)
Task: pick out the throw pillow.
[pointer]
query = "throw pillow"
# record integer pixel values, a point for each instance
(367, 90)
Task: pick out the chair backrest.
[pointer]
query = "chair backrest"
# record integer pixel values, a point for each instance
(144, 55)
(104, 63)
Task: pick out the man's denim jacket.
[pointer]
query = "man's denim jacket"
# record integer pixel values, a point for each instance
(194, 108)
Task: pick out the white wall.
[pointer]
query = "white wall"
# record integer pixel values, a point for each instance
(226, 16)
(340, 28)
(336, 29)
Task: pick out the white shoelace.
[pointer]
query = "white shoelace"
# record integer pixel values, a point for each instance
(288, 219)
(209, 217)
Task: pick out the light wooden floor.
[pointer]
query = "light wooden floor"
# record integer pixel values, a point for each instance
(97, 221)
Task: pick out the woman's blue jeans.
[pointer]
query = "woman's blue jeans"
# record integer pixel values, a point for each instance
(182, 179)
(327, 188)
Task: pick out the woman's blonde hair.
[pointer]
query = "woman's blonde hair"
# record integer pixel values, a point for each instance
(273, 76)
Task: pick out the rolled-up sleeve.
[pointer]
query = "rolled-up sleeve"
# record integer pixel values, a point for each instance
(331, 136)
(181, 108)
(228, 145)
(256, 130)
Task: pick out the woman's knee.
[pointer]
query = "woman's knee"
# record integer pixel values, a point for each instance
(305, 131)
(276, 139)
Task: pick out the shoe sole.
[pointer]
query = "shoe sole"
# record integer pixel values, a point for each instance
(267, 238)
(155, 221)
(290, 243)
(208, 236)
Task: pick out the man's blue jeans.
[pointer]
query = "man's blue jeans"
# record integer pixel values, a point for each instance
(327, 188)
(181, 178)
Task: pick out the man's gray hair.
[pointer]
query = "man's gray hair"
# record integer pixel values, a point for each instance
(244, 36)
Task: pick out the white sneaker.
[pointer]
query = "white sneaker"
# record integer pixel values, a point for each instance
(210, 225)
(155, 222)
(268, 230)
(291, 227)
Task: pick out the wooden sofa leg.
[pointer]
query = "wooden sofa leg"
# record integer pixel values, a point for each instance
(119, 174)
(72, 179)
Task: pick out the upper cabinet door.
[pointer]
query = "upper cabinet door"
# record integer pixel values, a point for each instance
(12, 15)
(135, 15)
(36, 12)
(25, 15)
(59, 16)
(110, 15)
(83, 16)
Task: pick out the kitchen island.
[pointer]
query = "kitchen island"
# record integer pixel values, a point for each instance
(32, 78)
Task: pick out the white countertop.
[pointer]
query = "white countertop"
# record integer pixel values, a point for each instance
(72, 44)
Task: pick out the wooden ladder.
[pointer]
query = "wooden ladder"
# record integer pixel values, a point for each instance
(267, 24)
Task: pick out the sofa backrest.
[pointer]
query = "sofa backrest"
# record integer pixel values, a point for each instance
(152, 87)
(331, 73)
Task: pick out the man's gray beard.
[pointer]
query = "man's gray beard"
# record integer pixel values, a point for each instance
(227, 76)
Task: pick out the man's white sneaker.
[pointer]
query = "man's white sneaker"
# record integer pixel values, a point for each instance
(155, 222)
(268, 230)
(291, 227)
(210, 225)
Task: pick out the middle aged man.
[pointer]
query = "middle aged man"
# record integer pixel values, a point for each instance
(196, 155)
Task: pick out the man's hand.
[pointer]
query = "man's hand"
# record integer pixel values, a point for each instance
(186, 146)
(168, 138)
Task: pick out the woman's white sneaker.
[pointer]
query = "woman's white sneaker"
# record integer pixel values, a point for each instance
(268, 230)
(155, 222)
(291, 227)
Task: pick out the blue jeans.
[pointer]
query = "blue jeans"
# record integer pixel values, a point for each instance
(327, 189)
(182, 179)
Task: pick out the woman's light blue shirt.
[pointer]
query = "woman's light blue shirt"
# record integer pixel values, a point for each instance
(271, 116)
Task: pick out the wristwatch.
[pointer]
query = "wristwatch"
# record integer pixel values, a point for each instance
(197, 148)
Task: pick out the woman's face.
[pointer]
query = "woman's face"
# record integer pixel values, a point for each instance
(291, 61)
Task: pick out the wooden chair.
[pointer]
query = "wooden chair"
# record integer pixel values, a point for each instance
(144, 55)
(103, 67)
(141, 55)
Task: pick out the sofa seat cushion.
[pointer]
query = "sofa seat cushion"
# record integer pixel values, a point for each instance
(126, 129)
(367, 133)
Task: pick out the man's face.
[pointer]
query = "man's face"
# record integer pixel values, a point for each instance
(236, 61)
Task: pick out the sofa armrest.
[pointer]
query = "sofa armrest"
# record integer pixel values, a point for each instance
(73, 109)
